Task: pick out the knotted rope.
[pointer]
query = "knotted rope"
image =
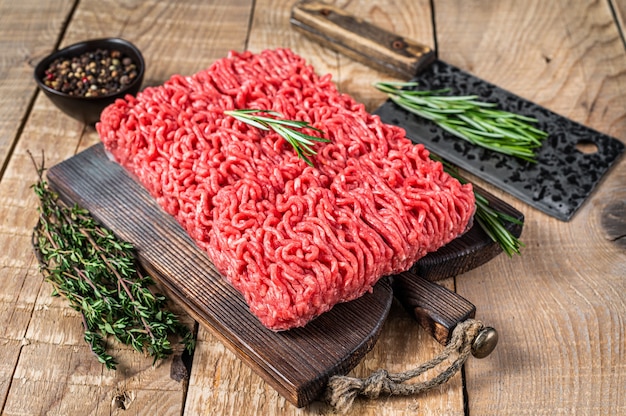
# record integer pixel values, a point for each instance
(342, 390)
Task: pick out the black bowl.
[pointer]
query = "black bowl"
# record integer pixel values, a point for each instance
(88, 109)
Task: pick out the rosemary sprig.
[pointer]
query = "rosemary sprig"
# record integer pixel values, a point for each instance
(470, 119)
(98, 275)
(490, 220)
(301, 142)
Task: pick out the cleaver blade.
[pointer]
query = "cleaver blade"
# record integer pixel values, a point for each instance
(565, 173)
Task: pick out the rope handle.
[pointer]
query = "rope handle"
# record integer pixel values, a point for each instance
(341, 391)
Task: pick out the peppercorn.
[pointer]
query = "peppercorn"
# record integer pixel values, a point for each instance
(91, 74)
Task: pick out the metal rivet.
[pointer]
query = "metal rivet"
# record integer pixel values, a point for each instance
(398, 44)
(485, 342)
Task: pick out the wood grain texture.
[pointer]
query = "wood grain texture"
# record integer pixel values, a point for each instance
(360, 40)
(271, 28)
(226, 385)
(54, 369)
(619, 8)
(559, 307)
(174, 37)
(24, 41)
(568, 59)
(19, 276)
(437, 309)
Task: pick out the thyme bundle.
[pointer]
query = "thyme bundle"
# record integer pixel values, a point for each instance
(470, 119)
(99, 276)
(301, 142)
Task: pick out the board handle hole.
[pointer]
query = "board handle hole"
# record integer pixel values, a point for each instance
(587, 147)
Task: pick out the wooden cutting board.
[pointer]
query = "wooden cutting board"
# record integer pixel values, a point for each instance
(299, 362)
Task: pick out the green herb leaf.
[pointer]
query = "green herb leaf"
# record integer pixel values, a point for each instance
(301, 142)
(98, 275)
(492, 221)
(470, 119)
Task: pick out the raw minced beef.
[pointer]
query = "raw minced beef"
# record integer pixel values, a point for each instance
(293, 239)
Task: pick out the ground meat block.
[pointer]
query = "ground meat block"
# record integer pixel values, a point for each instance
(293, 239)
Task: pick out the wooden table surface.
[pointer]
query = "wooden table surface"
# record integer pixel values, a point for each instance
(560, 307)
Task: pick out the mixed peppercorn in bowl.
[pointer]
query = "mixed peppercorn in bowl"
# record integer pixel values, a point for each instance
(83, 78)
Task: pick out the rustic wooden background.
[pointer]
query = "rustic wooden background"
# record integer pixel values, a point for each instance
(559, 308)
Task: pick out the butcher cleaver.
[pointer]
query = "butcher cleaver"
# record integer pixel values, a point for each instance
(565, 173)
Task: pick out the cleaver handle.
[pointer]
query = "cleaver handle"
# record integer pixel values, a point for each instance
(439, 310)
(360, 40)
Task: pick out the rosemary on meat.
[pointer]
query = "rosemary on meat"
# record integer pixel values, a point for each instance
(490, 220)
(100, 278)
(468, 118)
(301, 142)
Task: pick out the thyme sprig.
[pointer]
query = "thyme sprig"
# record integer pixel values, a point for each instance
(301, 142)
(98, 275)
(492, 221)
(468, 118)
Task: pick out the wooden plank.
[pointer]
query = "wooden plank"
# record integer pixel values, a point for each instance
(360, 40)
(619, 8)
(19, 276)
(9, 352)
(24, 41)
(226, 386)
(561, 347)
(174, 37)
(565, 58)
(67, 380)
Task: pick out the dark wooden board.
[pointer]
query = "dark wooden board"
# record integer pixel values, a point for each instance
(297, 363)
